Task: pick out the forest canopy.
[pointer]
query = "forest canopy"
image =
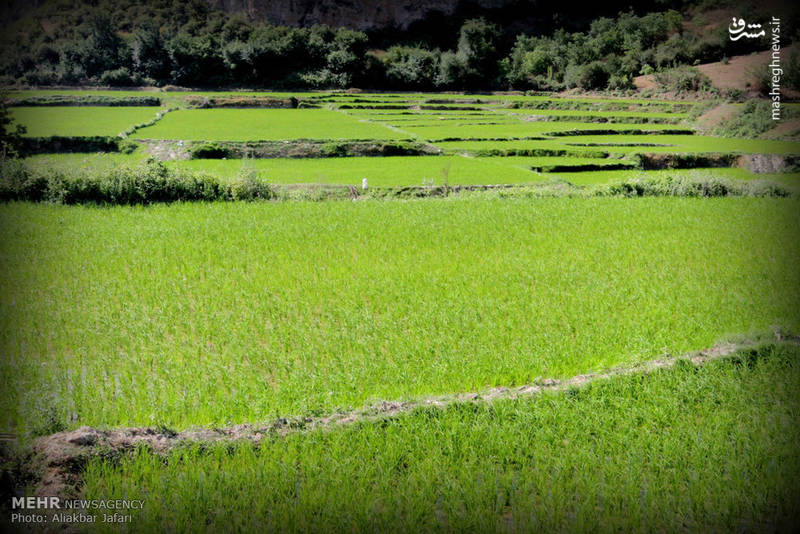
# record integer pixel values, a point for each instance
(190, 44)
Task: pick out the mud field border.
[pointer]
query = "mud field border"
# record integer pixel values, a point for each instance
(60, 458)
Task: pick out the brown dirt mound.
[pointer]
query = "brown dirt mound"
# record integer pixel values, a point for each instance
(646, 81)
(713, 117)
(735, 74)
(788, 130)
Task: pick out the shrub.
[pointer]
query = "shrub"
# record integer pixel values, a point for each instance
(248, 186)
(683, 79)
(209, 151)
(591, 76)
(128, 147)
(754, 119)
(120, 77)
(411, 68)
(620, 82)
(152, 181)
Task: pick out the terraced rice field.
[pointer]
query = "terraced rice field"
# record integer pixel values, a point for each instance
(80, 121)
(483, 126)
(257, 125)
(625, 455)
(221, 314)
(485, 361)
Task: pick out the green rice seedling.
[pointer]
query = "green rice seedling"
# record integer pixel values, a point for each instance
(220, 313)
(263, 124)
(80, 121)
(631, 144)
(699, 449)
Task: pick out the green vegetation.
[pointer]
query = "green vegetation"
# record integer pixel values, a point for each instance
(752, 119)
(791, 180)
(157, 43)
(683, 79)
(380, 172)
(263, 124)
(390, 171)
(699, 449)
(176, 258)
(116, 179)
(10, 133)
(209, 151)
(80, 121)
(198, 314)
(86, 99)
(138, 288)
(629, 144)
(530, 129)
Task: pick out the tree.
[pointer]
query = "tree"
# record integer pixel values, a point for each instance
(10, 138)
(478, 50)
(411, 68)
(149, 52)
(101, 49)
(196, 60)
(452, 70)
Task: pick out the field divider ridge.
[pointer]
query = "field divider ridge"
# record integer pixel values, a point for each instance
(62, 457)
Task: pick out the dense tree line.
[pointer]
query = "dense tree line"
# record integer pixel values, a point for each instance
(190, 44)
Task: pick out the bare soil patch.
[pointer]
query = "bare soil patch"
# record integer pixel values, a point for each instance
(738, 72)
(788, 130)
(715, 116)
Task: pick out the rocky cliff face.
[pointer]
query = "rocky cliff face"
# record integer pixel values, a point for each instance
(365, 15)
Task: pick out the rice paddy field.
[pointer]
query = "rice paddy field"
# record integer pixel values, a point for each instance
(497, 360)
(468, 138)
(83, 121)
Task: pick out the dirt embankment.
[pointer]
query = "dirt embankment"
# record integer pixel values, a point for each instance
(715, 116)
(788, 130)
(62, 457)
(739, 72)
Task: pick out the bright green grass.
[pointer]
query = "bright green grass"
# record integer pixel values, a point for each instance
(85, 162)
(231, 312)
(595, 113)
(379, 171)
(263, 124)
(402, 170)
(676, 144)
(80, 120)
(521, 130)
(83, 92)
(791, 179)
(449, 121)
(401, 113)
(712, 449)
